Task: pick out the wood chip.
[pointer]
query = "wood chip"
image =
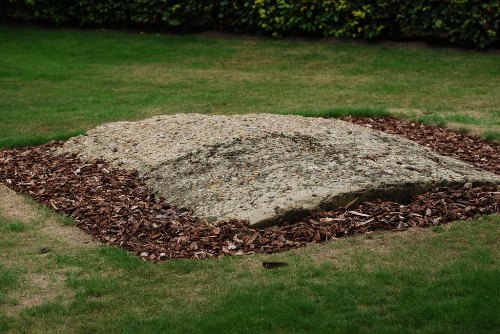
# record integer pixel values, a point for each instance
(359, 214)
(116, 207)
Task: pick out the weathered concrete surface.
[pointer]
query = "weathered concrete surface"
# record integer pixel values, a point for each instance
(270, 168)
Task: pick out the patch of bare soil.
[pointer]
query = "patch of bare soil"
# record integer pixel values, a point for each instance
(13, 206)
(68, 233)
(40, 289)
(117, 208)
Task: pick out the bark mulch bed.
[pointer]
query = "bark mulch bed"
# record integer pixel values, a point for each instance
(116, 207)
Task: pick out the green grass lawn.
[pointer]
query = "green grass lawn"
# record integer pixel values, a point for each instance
(440, 280)
(56, 83)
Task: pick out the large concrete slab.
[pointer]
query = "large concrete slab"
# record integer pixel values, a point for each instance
(270, 168)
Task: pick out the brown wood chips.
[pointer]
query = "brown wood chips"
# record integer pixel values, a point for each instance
(117, 208)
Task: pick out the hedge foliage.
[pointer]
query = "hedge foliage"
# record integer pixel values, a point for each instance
(468, 22)
(185, 15)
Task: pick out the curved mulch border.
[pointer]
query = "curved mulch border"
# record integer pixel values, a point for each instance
(116, 207)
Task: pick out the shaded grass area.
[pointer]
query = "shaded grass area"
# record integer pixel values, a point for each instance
(33, 140)
(443, 279)
(58, 83)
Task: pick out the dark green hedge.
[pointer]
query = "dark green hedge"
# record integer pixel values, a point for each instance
(187, 15)
(468, 22)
